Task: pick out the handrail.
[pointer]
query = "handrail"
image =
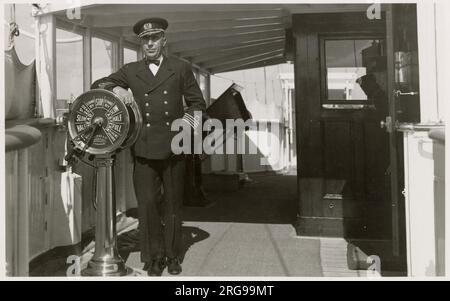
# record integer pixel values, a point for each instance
(34, 122)
(438, 135)
(419, 127)
(22, 133)
(20, 137)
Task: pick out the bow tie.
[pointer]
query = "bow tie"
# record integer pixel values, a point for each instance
(156, 62)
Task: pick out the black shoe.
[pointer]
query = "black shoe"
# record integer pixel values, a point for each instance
(173, 266)
(156, 268)
(147, 265)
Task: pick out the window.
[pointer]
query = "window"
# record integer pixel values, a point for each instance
(102, 58)
(346, 64)
(69, 68)
(129, 55)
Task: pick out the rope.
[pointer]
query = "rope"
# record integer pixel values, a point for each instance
(13, 27)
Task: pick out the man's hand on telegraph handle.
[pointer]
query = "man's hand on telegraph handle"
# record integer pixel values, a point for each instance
(124, 95)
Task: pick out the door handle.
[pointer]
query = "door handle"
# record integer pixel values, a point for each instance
(387, 124)
(398, 93)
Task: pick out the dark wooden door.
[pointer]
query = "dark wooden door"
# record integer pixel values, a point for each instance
(341, 97)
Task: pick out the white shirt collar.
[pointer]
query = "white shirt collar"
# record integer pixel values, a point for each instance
(153, 68)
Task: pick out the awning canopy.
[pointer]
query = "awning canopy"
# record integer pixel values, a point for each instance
(214, 37)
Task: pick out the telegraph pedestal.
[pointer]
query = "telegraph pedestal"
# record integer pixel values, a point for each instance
(106, 260)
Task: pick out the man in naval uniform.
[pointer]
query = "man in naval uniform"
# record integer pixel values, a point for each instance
(158, 84)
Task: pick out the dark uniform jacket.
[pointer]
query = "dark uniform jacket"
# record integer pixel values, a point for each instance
(160, 99)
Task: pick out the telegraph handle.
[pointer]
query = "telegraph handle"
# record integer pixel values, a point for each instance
(75, 150)
(69, 156)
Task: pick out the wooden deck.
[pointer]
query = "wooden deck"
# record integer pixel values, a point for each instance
(250, 233)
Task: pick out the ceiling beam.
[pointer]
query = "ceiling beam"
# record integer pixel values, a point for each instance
(246, 62)
(130, 19)
(222, 53)
(242, 59)
(224, 24)
(114, 9)
(201, 34)
(60, 7)
(327, 8)
(216, 26)
(265, 63)
(212, 51)
(179, 46)
(242, 55)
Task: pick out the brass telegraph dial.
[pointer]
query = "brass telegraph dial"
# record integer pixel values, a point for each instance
(100, 123)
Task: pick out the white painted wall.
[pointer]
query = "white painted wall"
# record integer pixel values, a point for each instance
(424, 188)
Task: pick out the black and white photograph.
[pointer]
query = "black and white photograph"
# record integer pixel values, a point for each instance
(186, 140)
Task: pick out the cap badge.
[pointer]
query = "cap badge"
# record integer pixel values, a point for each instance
(148, 26)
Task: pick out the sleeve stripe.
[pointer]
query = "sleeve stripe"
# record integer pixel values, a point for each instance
(188, 120)
(193, 122)
(186, 115)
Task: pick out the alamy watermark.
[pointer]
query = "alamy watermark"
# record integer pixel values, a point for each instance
(373, 12)
(74, 11)
(374, 268)
(74, 268)
(225, 139)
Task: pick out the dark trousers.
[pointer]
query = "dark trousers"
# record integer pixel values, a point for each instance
(159, 214)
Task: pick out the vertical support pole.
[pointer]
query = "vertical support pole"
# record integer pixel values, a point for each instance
(11, 198)
(106, 260)
(120, 52)
(49, 186)
(21, 248)
(287, 114)
(46, 64)
(140, 55)
(292, 118)
(87, 60)
(121, 162)
(208, 88)
(39, 111)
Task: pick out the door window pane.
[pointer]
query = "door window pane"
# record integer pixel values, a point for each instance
(69, 68)
(347, 62)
